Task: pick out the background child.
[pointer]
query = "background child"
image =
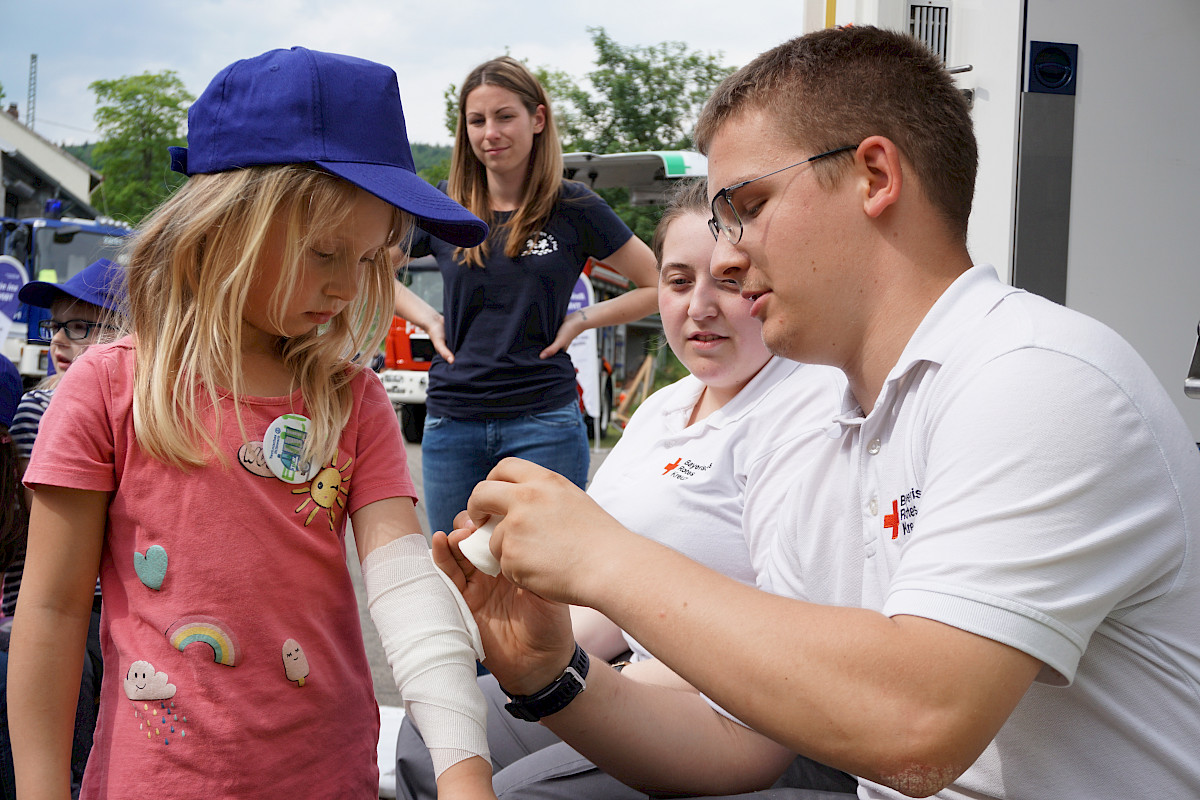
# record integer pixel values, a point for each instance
(82, 313)
(206, 464)
(14, 517)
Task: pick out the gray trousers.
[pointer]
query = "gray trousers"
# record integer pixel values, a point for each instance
(531, 763)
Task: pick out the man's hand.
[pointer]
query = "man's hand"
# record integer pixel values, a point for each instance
(528, 640)
(553, 539)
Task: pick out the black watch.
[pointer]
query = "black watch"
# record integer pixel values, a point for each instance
(556, 696)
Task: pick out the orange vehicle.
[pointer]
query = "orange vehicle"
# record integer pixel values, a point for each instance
(408, 352)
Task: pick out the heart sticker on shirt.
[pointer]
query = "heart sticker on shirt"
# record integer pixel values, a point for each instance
(152, 567)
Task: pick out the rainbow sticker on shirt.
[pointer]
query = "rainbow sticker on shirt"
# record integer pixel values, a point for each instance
(329, 488)
(208, 631)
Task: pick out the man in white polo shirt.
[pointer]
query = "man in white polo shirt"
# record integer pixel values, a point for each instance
(986, 586)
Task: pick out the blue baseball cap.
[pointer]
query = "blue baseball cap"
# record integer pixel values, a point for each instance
(101, 283)
(341, 113)
(11, 390)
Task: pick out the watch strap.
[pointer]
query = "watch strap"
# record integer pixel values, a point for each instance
(554, 697)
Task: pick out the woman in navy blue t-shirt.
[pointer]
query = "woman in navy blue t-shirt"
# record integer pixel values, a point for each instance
(501, 383)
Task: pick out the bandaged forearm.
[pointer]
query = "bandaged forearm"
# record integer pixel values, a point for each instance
(431, 643)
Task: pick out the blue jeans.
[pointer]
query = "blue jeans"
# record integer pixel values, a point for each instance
(456, 454)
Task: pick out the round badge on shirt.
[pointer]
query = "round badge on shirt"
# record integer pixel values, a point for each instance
(283, 449)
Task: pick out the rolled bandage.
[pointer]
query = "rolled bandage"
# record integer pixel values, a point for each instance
(478, 548)
(431, 648)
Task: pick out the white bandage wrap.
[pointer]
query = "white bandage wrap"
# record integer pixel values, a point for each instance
(478, 548)
(431, 647)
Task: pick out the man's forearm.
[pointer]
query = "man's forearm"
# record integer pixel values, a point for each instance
(843, 686)
(662, 739)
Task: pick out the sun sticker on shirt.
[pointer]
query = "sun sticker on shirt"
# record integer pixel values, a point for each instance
(326, 490)
(540, 244)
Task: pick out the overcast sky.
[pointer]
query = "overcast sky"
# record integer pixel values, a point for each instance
(430, 44)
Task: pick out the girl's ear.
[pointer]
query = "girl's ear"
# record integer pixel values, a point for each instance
(539, 118)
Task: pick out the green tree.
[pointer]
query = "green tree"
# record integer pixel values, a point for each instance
(138, 117)
(432, 161)
(429, 155)
(82, 151)
(642, 97)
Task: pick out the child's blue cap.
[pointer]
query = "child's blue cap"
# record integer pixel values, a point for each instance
(10, 391)
(101, 283)
(341, 113)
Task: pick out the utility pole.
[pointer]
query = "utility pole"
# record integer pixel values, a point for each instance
(31, 96)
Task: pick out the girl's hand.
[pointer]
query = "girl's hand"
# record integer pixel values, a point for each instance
(528, 640)
(573, 324)
(436, 328)
(409, 305)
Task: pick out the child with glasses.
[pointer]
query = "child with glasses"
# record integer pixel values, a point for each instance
(14, 521)
(83, 311)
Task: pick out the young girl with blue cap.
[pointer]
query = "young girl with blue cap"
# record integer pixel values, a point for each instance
(205, 466)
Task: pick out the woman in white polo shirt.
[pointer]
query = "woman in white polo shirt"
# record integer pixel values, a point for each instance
(702, 467)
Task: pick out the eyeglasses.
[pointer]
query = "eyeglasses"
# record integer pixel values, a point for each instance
(725, 217)
(76, 329)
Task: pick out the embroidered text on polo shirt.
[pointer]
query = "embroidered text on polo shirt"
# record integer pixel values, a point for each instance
(904, 511)
(683, 469)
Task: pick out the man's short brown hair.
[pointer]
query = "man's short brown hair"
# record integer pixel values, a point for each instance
(839, 86)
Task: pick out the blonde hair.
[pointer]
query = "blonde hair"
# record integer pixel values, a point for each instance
(191, 268)
(467, 183)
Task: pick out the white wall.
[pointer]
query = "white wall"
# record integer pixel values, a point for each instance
(1134, 259)
(987, 35)
(1134, 250)
(71, 173)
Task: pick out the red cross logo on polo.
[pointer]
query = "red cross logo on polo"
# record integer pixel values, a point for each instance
(892, 520)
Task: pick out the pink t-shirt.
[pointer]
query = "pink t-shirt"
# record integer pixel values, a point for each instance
(234, 661)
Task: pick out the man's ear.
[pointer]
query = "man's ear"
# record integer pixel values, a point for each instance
(883, 175)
